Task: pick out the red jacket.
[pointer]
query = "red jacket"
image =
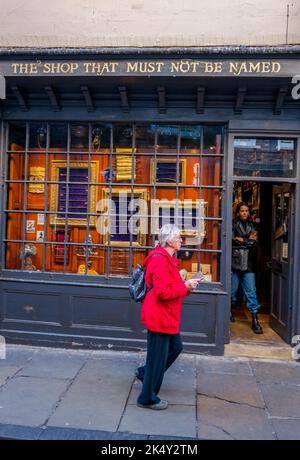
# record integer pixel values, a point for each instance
(161, 309)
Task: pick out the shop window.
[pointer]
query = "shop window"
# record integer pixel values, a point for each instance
(89, 198)
(264, 157)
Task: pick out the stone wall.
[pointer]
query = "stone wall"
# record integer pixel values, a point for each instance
(147, 23)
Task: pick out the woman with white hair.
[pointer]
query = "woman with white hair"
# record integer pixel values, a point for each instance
(161, 312)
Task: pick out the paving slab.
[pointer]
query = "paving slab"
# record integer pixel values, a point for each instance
(287, 429)
(123, 355)
(282, 400)
(237, 421)
(19, 355)
(275, 372)
(6, 372)
(97, 397)
(175, 421)
(223, 366)
(29, 400)
(58, 364)
(55, 433)
(105, 369)
(178, 387)
(169, 438)
(233, 388)
(209, 432)
(19, 432)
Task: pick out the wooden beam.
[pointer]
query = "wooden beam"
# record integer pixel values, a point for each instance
(88, 98)
(22, 103)
(124, 98)
(282, 92)
(53, 98)
(162, 106)
(200, 100)
(239, 102)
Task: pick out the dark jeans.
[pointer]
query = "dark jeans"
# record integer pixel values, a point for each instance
(247, 280)
(162, 350)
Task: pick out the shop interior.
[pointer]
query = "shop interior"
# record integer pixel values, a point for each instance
(259, 197)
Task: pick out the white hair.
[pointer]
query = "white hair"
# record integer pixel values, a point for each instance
(166, 233)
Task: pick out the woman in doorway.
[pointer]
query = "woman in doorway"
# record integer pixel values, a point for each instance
(161, 313)
(244, 243)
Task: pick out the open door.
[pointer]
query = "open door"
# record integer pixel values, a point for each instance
(280, 262)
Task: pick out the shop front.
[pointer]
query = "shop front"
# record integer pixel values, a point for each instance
(98, 152)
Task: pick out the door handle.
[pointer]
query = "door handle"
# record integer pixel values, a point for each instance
(270, 264)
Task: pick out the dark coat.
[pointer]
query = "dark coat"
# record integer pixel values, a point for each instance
(244, 231)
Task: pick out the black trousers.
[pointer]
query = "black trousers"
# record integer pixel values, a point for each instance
(162, 350)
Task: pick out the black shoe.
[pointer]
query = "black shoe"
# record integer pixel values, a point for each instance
(232, 318)
(256, 327)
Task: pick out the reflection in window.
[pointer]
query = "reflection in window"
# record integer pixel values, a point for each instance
(59, 135)
(37, 135)
(267, 157)
(167, 138)
(213, 140)
(17, 136)
(79, 136)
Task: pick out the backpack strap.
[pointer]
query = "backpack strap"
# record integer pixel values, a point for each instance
(153, 255)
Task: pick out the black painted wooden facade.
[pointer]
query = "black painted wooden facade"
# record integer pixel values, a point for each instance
(58, 310)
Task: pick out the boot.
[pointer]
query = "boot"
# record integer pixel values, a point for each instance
(256, 327)
(232, 318)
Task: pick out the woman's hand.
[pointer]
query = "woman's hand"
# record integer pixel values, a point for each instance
(253, 236)
(191, 284)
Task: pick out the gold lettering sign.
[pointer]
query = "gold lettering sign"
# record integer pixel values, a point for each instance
(36, 175)
(151, 67)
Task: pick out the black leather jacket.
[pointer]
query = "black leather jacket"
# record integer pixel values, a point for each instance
(244, 230)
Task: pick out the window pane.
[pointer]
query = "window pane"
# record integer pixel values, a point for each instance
(192, 261)
(37, 135)
(212, 140)
(58, 136)
(79, 136)
(17, 136)
(268, 157)
(167, 139)
(190, 139)
(145, 138)
(100, 137)
(213, 200)
(122, 137)
(211, 169)
(12, 256)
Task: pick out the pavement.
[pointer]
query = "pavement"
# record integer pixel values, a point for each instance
(48, 393)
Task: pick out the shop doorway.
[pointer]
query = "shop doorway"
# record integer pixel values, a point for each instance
(271, 210)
